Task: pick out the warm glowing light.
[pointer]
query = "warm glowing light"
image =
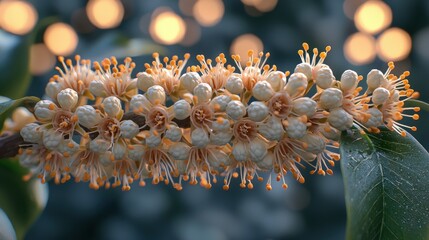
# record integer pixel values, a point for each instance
(193, 33)
(17, 17)
(373, 16)
(359, 48)
(261, 5)
(394, 44)
(167, 28)
(208, 12)
(242, 44)
(105, 13)
(61, 39)
(41, 59)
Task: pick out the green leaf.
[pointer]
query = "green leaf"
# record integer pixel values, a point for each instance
(417, 103)
(14, 64)
(7, 107)
(386, 178)
(22, 201)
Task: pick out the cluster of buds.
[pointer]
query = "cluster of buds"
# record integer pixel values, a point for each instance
(212, 121)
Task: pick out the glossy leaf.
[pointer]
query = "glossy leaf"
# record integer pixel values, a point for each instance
(14, 64)
(7, 107)
(22, 201)
(386, 180)
(417, 103)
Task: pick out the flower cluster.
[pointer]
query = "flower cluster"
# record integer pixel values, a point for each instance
(213, 121)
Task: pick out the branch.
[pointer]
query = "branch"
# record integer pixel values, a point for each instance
(11, 142)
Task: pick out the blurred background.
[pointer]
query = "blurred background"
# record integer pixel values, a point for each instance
(363, 35)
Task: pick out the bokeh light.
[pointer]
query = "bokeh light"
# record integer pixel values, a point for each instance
(242, 44)
(394, 44)
(359, 48)
(17, 17)
(261, 5)
(41, 59)
(208, 12)
(105, 13)
(167, 28)
(61, 39)
(373, 16)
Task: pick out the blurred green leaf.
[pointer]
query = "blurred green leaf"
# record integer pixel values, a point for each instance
(386, 178)
(6, 229)
(22, 201)
(417, 103)
(14, 64)
(7, 107)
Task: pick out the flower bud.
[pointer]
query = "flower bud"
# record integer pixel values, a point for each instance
(257, 150)
(153, 140)
(182, 109)
(375, 79)
(119, 151)
(189, 81)
(52, 139)
(257, 111)
(380, 96)
(203, 92)
(45, 110)
(139, 103)
(145, 81)
(88, 116)
(240, 151)
(99, 145)
(324, 78)
(297, 84)
(112, 106)
(331, 98)
(174, 133)
(221, 124)
(314, 143)
(97, 88)
(67, 98)
(349, 80)
(156, 95)
(220, 102)
(272, 129)
(296, 128)
(179, 151)
(136, 152)
(340, 119)
(200, 138)
(235, 110)
(234, 85)
(129, 129)
(262, 91)
(32, 133)
(52, 89)
(376, 118)
(304, 106)
(277, 80)
(305, 69)
(220, 138)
